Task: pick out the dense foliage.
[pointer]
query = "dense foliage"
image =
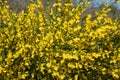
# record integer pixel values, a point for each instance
(61, 45)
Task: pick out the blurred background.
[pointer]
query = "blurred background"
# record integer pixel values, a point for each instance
(18, 5)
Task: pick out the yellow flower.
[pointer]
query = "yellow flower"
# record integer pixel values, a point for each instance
(76, 40)
(57, 4)
(57, 55)
(70, 65)
(1, 69)
(115, 75)
(88, 17)
(80, 66)
(55, 73)
(41, 54)
(16, 55)
(0, 58)
(51, 11)
(72, 21)
(77, 28)
(113, 61)
(103, 70)
(70, 79)
(62, 61)
(32, 75)
(26, 64)
(59, 21)
(49, 71)
(99, 18)
(67, 56)
(48, 65)
(9, 54)
(96, 55)
(23, 76)
(66, 10)
(75, 57)
(59, 9)
(56, 68)
(76, 77)
(61, 77)
(68, 4)
(42, 68)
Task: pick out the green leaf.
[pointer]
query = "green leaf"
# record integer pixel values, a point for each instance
(44, 78)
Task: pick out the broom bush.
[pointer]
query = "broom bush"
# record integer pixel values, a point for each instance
(59, 46)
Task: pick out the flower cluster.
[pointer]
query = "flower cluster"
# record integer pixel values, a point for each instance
(59, 46)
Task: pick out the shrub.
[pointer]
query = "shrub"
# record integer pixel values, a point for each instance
(63, 46)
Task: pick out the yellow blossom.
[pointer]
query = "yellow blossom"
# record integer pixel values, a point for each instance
(32, 75)
(61, 77)
(1, 69)
(115, 75)
(48, 65)
(76, 77)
